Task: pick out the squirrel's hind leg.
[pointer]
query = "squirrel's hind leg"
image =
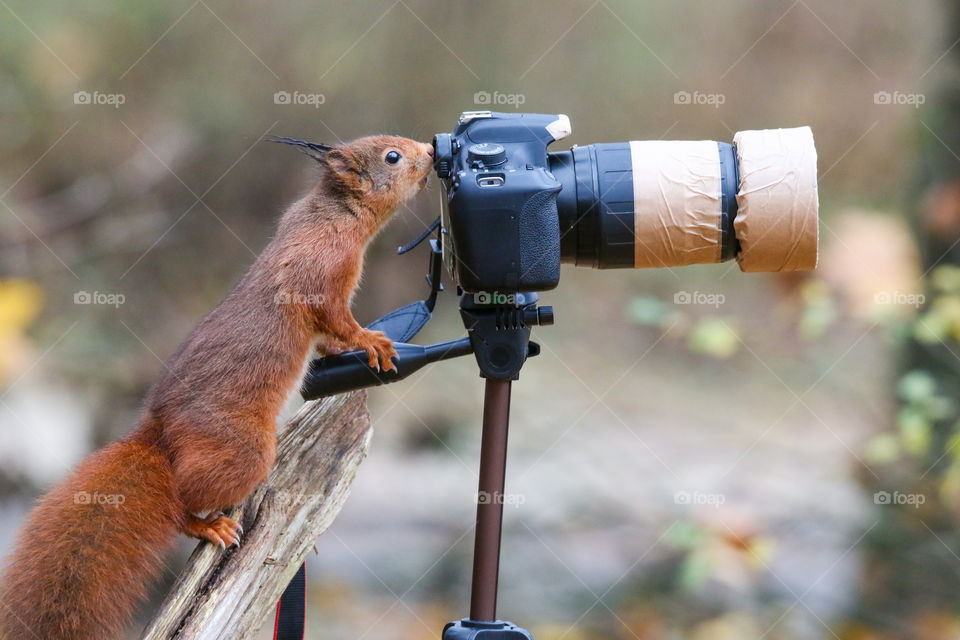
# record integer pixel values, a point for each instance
(216, 528)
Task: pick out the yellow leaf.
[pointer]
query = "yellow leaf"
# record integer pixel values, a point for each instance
(20, 302)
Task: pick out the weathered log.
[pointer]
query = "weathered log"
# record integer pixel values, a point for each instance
(229, 594)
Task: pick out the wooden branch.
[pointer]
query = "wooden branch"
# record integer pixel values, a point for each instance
(229, 594)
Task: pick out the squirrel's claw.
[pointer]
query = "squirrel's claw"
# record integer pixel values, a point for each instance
(217, 529)
(379, 350)
(373, 359)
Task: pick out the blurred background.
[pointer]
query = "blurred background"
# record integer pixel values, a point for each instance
(776, 458)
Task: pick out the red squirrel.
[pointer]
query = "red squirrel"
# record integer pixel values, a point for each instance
(91, 546)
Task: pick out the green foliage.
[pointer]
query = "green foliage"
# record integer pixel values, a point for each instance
(940, 322)
(819, 310)
(649, 311)
(714, 337)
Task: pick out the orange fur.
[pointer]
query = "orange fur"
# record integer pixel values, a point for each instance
(207, 434)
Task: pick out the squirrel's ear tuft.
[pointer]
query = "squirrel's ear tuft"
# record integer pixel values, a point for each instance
(314, 150)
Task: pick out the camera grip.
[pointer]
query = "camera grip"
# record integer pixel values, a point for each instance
(539, 233)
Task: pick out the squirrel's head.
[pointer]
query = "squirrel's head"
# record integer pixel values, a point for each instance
(378, 172)
(383, 171)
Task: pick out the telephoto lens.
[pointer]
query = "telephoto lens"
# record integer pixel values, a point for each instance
(669, 203)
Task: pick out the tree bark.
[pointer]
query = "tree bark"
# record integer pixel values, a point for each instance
(229, 594)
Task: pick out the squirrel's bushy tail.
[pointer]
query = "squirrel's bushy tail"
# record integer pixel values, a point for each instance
(91, 547)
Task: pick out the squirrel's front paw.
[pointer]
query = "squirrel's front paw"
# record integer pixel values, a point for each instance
(379, 348)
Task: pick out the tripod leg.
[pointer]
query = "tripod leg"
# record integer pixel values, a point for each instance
(493, 462)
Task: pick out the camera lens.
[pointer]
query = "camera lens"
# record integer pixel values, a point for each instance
(666, 204)
(607, 222)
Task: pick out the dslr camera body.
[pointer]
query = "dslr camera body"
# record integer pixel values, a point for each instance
(500, 226)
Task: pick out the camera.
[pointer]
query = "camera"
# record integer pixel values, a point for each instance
(513, 212)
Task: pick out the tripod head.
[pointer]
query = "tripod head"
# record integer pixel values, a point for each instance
(498, 335)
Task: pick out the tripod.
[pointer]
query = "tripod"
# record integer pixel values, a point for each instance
(498, 335)
(483, 623)
(499, 338)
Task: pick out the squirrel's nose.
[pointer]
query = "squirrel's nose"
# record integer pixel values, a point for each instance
(429, 149)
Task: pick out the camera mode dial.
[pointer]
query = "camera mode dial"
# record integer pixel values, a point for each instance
(486, 154)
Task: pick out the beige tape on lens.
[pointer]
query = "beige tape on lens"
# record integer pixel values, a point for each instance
(676, 203)
(777, 203)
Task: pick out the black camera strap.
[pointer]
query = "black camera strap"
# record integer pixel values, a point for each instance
(291, 617)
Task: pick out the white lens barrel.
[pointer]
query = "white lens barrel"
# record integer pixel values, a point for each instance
(676, 203)
(679, 215)
(777, 203)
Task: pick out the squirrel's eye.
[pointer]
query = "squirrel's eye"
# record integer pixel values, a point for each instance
(393, 157)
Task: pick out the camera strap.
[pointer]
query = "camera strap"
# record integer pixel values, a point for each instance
(291, 617)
